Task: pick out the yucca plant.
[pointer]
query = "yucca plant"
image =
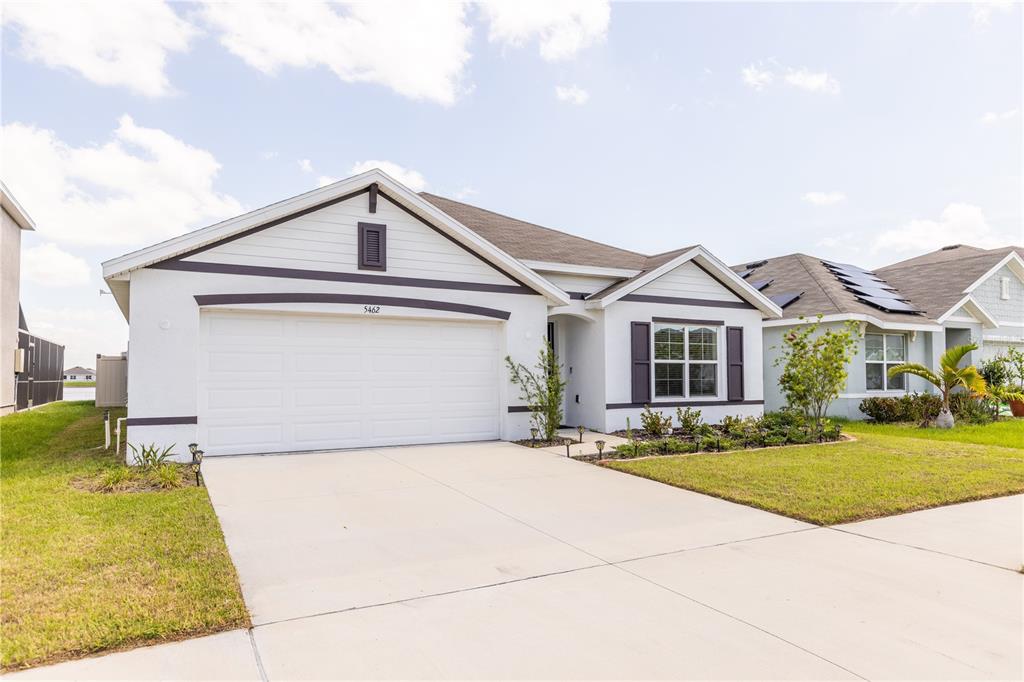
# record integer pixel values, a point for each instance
(950, 376)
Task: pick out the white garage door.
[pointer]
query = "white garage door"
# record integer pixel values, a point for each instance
(275, 382)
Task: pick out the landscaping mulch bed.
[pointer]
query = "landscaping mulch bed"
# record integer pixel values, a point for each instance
(530, 443)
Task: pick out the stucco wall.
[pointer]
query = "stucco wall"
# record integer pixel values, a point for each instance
(164, 333)
(583, 364)
(10, 271)
(617, 358)
(919, 349)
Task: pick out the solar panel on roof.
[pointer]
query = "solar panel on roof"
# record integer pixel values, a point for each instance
(745, 273)
(755, 264)
(877, 292)
(890, 305)
(761, 284)
(845, 266)
(782, 300)
(863, 281)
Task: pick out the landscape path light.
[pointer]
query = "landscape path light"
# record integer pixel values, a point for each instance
(600, 447)
(581, 429)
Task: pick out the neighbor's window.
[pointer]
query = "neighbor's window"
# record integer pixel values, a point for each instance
(881, 353)
(685, 361)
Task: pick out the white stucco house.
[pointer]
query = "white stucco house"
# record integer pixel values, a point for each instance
(365, 314)
(79, 373)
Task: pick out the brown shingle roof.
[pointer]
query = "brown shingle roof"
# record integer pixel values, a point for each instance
(528, 241)
(823, 294)
(936, 281)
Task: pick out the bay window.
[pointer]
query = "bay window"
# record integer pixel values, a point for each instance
(685, 361)
(882, 352)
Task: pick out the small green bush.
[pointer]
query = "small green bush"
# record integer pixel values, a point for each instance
(689, 420)
(166, 476)
(654, 423)
(149, 457)
(913, 407)
(115, 479)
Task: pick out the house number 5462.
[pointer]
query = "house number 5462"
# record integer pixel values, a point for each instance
(371, 309)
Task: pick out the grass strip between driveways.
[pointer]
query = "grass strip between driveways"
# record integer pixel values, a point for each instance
(82, 572)
(876, 475)
(79, 384)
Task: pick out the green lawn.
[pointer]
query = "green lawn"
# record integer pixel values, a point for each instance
(1009, 433)
(81, 572)
(79, 384)
(878, 475)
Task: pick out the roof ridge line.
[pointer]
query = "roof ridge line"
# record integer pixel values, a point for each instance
(817, 280)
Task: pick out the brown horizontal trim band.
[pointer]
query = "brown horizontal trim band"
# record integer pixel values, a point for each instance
(577, 295)
(682, 320)
(358, 299)
(682, 403)
(160, 421)
(272, 223)
(518, 408)
(327, 276)
(643, 298)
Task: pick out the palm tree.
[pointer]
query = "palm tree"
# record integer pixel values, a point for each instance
(950, 377)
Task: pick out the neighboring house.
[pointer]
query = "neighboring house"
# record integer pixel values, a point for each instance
(893, 330)
(364, 314)
(977, 295)
(30, 366)
(80, 374)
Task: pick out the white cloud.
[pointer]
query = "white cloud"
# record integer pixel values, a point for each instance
(981, 12)
(418, 49)
(959, 223)
(572, 93)
(824, 198)
(813, 81)
(408, 177)
(561, 27)
(86, 331)
(142, 186)
(109, 43)
(267, 156)
(306, 165)
(992, 117)
(47, 265)
(325, 180)
(465, 193)
(757, 77)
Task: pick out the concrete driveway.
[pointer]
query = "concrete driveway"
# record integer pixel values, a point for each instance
(491, 561)
(495, 561)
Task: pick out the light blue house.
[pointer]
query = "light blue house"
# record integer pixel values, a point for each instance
(911, 311)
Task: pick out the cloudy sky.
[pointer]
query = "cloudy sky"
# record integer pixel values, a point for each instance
(860, 132)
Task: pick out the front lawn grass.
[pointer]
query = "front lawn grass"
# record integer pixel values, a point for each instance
(79, 384)
(81, 572)
(1008, 433)
(876, 475)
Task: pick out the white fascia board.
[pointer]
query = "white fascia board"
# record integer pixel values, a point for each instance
(1012, 259)
(703, 257)
(282, 209)
(971, 305)
(570, 269)
(17, 212)
(856, 317)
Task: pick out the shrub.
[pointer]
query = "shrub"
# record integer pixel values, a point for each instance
(689, 420)
(676, 446)
(654, 423)
(915, 407)
(997, 371)
(636, 448)
(115, 479)
(542, 390)
(969, 408)
(150, 457)
(166, 476)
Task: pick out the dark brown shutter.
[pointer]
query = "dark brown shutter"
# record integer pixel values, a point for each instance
(734, 360)
(640, 350)
(372, 247)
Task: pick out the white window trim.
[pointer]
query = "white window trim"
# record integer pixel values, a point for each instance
(685, 362)
(885, 364)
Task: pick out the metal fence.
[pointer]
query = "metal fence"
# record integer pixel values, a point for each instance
(41, 380)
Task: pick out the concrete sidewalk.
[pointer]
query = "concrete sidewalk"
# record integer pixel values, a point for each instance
(492, 561)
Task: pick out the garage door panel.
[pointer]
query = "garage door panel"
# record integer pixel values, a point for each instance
(273, 382)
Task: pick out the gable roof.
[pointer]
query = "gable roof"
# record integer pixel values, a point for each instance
(79, 370)
(822, 293)
(938, 281)
(324, 196)
(528, 241)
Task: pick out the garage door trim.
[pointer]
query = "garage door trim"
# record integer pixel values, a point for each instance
(204, 300)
